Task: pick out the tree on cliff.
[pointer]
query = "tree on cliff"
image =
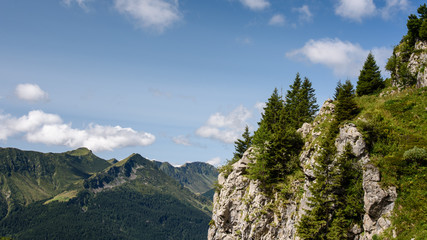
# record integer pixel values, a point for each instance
(346, 108)
(276, 142)
(269, 118)
(370, 80)
(241, 145)
(415, 25)
(300, 102)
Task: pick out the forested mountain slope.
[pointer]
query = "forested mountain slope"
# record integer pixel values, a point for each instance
(79, 195)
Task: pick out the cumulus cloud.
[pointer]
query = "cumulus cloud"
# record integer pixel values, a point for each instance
(255, 4)
(214, 161)
(225, 128)
(260, 106)
(305, 13)
(151, 14)
(277, 20)
(344, 58)
(41, 127)
(355, 9)
(182, 140)
(30, 92)
(393, 6)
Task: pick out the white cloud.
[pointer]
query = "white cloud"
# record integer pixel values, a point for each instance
(260, 106)
(225, 128)
(344, 58)
(151, 14)
(182, 140)
(277, 20)
(214, 161)
(40, 127)
(30, 92)
(355, 9)
(393, 6)
(256, 4)
(305, 13)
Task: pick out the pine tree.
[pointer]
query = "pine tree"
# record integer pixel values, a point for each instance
(276, 143)
(241, 145)
(300, 102)
(269, 118)
(337, 90)
(423, 30)
(346, 107)
(370, 80)
(315, 223)
(307, 106)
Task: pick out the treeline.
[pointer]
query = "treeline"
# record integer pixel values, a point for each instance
(118, 214)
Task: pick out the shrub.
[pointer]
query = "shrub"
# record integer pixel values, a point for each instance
(416, 154)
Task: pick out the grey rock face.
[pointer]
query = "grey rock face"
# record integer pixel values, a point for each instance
(418, 62)
(242, 211)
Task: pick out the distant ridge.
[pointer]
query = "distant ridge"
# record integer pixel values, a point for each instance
(76, 194)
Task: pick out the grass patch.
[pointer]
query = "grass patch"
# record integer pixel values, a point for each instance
(63, 197)
(395, 130)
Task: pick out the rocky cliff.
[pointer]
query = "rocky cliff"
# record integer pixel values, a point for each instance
(407, 64)
(242, 211)
(417, 63)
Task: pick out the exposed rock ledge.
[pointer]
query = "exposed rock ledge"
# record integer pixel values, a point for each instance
(242, 211)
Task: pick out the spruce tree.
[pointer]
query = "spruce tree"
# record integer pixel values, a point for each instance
(307, 106)
(276, 142)
(300, 102)
(241, 145)
(346, 108)
(337, 90)
(292, 100)
(269, 118)
(370, 80)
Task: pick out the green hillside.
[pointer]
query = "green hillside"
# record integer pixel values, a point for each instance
(395, 127)
(78, 195)
(199, 177)
(27, 176)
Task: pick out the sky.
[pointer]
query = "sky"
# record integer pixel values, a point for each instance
(174, 80)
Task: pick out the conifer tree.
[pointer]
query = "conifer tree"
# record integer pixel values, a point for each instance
(370, 80)
(241, 145)
(337, 90)
(292, 96)
(276, 143)
(307, 106)
(300, 102)
(346, 107)
(269, 118)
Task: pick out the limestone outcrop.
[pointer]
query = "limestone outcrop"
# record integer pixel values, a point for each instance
(418, 62)
(242, 211)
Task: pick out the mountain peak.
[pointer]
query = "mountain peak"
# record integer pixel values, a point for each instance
(80, 152)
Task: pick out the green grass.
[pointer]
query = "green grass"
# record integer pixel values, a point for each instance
(392, 125)
(63, 197)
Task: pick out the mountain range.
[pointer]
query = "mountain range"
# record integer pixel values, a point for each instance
(79, 195)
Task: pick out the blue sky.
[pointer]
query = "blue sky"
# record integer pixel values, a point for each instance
(173, 80)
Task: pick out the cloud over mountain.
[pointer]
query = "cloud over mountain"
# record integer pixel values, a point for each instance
(46, 128)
